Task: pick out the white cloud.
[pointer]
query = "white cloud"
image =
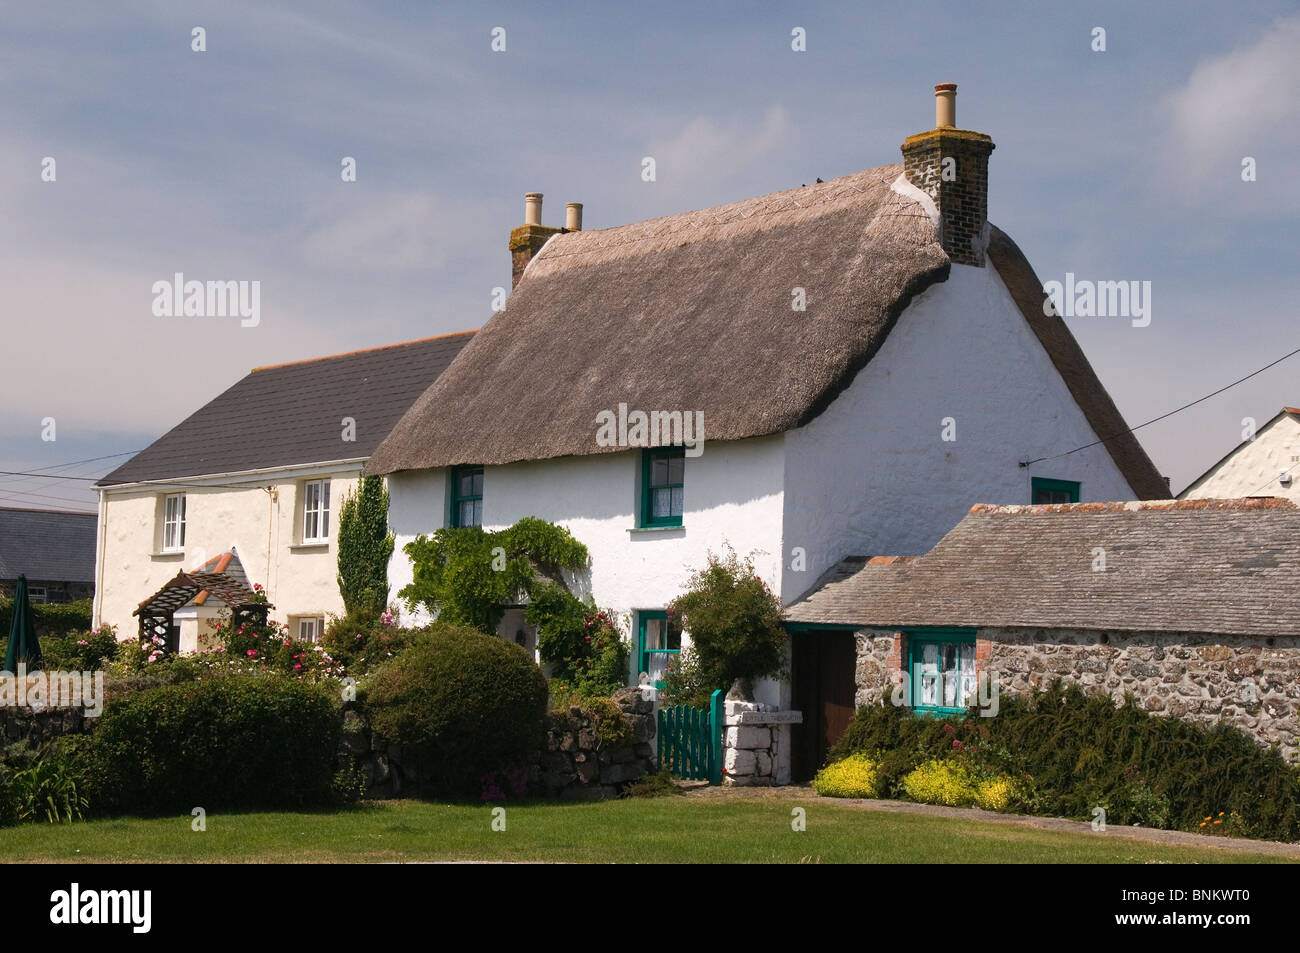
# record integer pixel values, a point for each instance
(393, 233)
(1236, 104)
(704, 149)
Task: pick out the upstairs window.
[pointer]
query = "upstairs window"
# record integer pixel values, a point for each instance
(1054, 491)
(663, 473)
(316, 511)
(466, 496)
(173, 537)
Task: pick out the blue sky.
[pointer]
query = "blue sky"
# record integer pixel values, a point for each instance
(1123, 164)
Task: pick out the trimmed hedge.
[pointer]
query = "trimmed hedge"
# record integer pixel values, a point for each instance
(232, 742)
(464, 704)
(51, 618)
(1069, 752)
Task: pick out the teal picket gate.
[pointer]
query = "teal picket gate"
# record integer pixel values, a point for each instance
(690, 741)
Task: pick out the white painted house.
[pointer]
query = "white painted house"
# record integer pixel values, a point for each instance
(1265, 463)
(869, 356)
(260, 471)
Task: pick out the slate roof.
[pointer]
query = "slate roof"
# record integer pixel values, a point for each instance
(47, 545)
(290, 414)
(693, 312)
(1207, 566)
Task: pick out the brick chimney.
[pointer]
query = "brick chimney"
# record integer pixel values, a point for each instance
(527, 240)
(951, 165)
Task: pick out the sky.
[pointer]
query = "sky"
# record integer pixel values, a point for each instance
(225, 164)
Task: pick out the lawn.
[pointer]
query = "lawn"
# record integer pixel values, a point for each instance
(673, 829)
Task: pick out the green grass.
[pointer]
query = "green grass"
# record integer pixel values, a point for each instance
(650, 830)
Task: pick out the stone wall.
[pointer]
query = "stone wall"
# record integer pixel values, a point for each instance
(39, 726)
(1250, 682)
(575, 762)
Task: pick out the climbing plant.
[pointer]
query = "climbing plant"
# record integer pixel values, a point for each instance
(364, 546)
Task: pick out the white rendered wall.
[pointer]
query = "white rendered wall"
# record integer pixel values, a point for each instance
(1252, 469)
(299, 580)
(732, 495)
(872, 476)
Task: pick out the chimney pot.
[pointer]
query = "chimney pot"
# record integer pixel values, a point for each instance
(945, 106)
(573, 216)
(532, 208)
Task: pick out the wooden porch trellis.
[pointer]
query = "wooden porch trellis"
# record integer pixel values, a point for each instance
(690, 740)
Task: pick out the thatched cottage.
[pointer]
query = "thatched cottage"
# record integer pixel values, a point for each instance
(1189, 606)
(860, 361)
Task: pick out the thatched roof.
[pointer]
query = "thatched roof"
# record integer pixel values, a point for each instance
(692, 312)
(1225, 567)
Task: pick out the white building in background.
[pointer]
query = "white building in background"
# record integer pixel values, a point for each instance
(261, 472)
(870, 358)
(1267, 464)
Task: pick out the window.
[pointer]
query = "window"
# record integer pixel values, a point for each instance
(316, 511)
(173, 523)
(659, 639)
(662, 473)
(309, 630)
(37, 594)
(941, 667)
(1054, 491)
(466, 496)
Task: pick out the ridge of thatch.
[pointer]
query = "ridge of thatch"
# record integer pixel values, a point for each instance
(1068, 358)
(691, 312)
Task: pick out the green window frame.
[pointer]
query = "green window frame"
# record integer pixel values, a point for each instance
(1043, 490)
(466, 487)
(941, 671)
(662, 641)
(663, 478)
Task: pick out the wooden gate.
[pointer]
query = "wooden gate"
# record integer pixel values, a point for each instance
(690, 741)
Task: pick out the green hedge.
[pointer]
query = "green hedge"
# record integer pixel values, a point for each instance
(51, 618)
(222, 743)
(465, 706)
(1072, 752)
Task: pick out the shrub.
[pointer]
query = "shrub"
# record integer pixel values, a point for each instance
(270, 646)
(940, 782)
(52, 618)
(48, 790)
(364, 545)
(997, 794)
(854, 776)
(80, 651)
(1070, 752)
(659, 784)
(224, 742)
(584, 646)
(467, 576)
(463, 703)
(734, 620)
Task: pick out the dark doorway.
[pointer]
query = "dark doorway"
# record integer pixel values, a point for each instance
(822, 666)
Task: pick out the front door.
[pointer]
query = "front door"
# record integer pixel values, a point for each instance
(822, 666)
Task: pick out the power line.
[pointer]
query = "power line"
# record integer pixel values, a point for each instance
(1154, 420)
